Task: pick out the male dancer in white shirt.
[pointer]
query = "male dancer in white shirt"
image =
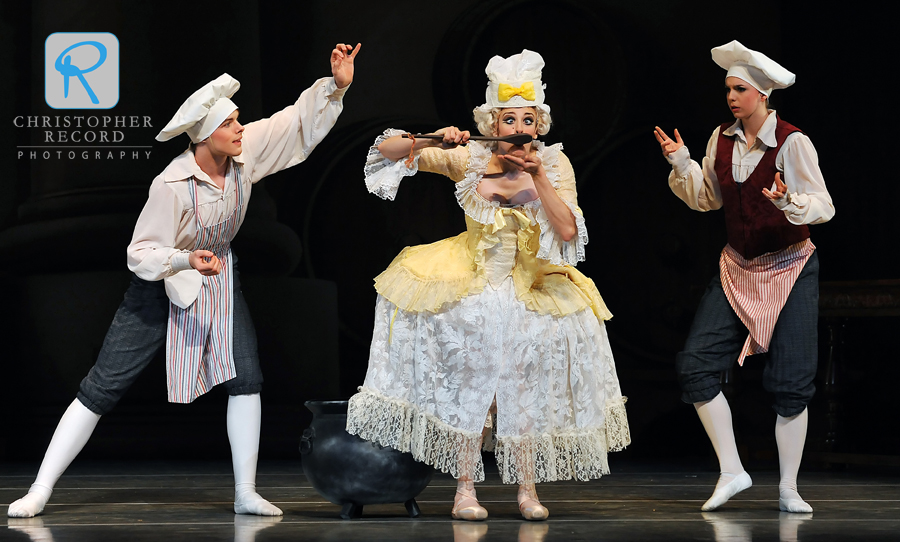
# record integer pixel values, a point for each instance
(185, 293)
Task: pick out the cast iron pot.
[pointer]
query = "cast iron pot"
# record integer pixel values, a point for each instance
(353, 472)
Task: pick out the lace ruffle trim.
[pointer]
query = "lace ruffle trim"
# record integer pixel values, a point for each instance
(553, 248)
(400, 425)
(577, 454)
(412, 293)
(383, 176)
(572, 455)
(551, 245)
(618, 435)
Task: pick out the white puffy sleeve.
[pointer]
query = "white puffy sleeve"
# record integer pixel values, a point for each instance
(552, 246)
(807, 200)
(152, 254)
(286, 138)
(697, 186)
(383, 175)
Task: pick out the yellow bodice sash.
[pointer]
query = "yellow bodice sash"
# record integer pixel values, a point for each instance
(429, 277)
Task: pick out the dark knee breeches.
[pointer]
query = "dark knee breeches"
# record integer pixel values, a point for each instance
(138, 332)
(717, 335)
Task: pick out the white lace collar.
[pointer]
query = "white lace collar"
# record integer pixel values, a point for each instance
(482, 210)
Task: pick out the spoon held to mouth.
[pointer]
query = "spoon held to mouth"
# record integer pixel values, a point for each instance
(515, 139)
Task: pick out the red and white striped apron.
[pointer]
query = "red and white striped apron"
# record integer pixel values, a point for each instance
(199, 353)
(757, 289)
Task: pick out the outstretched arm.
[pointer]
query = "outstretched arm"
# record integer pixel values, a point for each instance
(398, 147)
(286, 138)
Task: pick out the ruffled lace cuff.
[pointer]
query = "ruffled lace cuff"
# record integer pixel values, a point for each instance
(383, 176)
(552, 246)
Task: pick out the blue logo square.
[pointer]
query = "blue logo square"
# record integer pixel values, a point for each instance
(81, 70)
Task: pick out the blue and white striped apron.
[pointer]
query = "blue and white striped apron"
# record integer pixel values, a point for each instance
(199, 353)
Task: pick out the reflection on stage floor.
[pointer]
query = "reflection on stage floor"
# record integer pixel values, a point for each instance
(172, 502)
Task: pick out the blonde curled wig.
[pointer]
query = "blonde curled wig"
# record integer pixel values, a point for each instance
(487, 119)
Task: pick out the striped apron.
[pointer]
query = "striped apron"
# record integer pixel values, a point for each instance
(757, 289)
(199, 351)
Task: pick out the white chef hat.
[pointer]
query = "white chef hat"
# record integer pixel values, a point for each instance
(204, 111)
(763, 73)
(515, 82)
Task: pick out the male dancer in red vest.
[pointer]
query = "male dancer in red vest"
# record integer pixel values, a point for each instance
(765, 174)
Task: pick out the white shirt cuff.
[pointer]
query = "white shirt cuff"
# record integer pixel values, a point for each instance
(180, 261)
(681, 161)
(783, 202)
(332, 90)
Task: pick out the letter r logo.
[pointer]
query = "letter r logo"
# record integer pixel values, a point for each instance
(81, 70)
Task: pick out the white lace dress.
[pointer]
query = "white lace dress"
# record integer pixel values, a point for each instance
(496, 314)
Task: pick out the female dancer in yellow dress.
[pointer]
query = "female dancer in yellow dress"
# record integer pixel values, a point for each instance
(493, 327)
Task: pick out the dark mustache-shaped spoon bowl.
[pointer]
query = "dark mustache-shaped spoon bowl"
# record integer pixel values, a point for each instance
(515, 139)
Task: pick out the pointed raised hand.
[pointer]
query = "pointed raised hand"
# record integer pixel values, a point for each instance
(342, 57)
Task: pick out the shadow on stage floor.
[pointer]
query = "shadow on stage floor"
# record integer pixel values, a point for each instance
(173, 502)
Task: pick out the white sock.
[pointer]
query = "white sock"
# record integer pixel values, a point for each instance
(72, 433)
(716, 418)
(790, 434)
(243, 420)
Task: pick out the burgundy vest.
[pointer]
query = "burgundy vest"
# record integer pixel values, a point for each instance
(755, 226)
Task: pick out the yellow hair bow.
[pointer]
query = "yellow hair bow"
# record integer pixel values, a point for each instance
(506, 92)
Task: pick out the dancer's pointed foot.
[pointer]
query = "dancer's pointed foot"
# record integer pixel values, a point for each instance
(529, 505)
(250, 502)
(465, 504)
(790, 501)
(727, 487)
(31, 504)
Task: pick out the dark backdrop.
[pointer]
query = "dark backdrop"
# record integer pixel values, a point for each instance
(314, 238)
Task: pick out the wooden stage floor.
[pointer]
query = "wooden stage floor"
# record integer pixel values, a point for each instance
(172, 502)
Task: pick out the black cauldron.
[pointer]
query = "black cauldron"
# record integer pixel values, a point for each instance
(353, 472)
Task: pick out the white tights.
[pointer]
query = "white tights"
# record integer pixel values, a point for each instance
(790, 434)
(78, 423)
(71, 435)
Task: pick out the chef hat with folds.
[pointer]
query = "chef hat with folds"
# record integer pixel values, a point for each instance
(204, 111)
(515, 82)
(763, 73)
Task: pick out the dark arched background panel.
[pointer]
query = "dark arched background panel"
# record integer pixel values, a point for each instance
(314, 239)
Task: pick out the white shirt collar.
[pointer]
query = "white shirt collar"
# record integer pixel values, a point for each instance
(185, 166)
(766, 132)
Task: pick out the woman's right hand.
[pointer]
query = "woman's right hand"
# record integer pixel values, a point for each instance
(206, 262)
(668, 146)
(453, 137)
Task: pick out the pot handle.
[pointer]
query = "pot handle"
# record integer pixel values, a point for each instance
(306, 441)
